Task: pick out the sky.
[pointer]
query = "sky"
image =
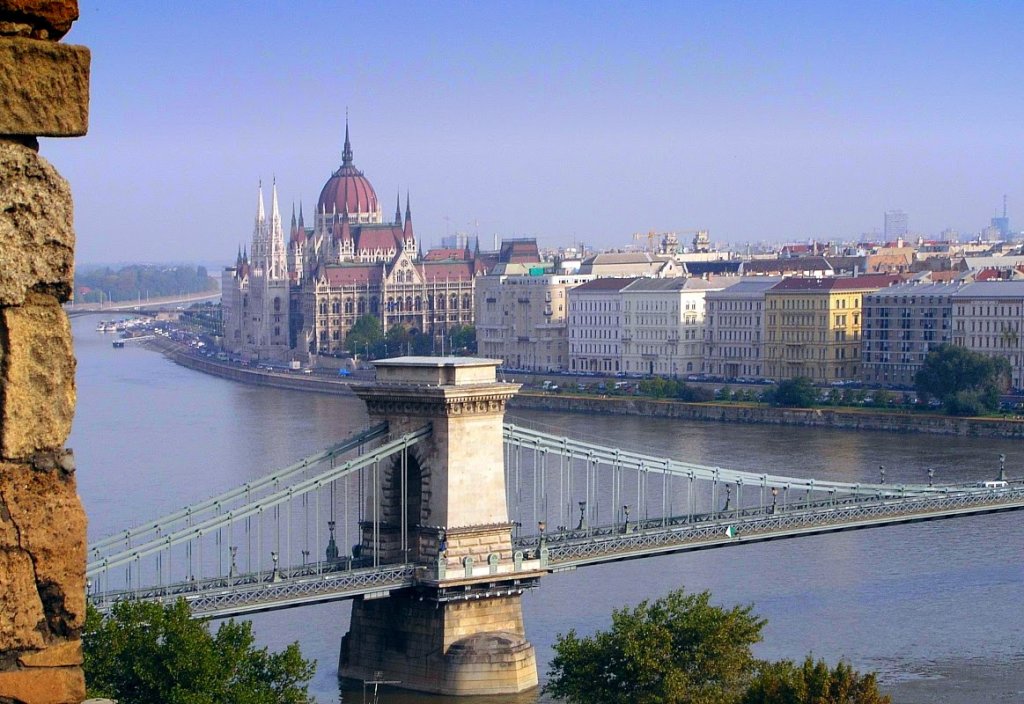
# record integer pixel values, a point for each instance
(568, 122)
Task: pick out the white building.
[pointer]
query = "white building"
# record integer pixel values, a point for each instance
(521, 316)
(663, 326)
(988, 317)
(256, 292)
(595, 326)
(734, 328)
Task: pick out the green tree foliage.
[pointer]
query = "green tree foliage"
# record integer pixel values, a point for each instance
(366, 337)
(140, 280)
(812, 683)
(966, 382)
(661, 387)
(148, 654)
(796, 393)
(463, 339)
(676, 650)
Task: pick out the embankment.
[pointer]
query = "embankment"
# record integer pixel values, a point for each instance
(249, 375)
(847, 419)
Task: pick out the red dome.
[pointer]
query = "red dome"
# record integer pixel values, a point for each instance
(348, 187)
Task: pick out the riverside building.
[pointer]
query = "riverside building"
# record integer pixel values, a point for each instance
(301, 300)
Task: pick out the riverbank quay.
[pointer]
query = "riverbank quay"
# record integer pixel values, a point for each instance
(838, 418)
(844, 419)
(186, 357)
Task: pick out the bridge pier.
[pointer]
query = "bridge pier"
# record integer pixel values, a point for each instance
(459, 631)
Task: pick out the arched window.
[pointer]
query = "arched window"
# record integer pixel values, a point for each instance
(323, 308)
(361, 305)
(348, 306)
(455, 302)
(277, 304)
(374, 305)
(335, 306)
(408, 303)
(419, 303)
(467, 301)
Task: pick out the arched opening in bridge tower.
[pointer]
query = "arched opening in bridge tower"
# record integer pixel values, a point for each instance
(403, 499)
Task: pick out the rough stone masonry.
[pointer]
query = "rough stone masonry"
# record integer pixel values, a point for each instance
(44, 92)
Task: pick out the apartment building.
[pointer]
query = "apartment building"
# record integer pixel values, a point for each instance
(595, 326)
(734, 325)
(663, 325)
(988, 318)
(813, 326)
(900, 325)
(521, 316)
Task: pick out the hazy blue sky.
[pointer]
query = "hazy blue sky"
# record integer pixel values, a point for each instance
(573, 121)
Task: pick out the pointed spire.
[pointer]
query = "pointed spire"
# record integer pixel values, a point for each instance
(408, 212)
(301, 223)
(260, 215)
(293, 216)
(398, 208)
(274, 213)
(346, 154)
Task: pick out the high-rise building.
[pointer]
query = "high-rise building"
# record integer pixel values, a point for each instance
(897, 225)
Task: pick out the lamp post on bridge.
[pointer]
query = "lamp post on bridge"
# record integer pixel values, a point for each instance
(931, 476)
(583, 519)
(881, 473)
(625, 511)
(233, 569)
(1002, 467)
(775, 498)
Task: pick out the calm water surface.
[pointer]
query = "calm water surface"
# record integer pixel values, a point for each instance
(935, 608)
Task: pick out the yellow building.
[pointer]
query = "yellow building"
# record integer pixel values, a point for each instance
(812, 326)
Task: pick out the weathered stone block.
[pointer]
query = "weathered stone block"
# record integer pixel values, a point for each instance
(38, 375)
(65, 654)
(45, 510)
(37, 239)
(44, 88)
(50, 19)
(19, 602)
(43, 686)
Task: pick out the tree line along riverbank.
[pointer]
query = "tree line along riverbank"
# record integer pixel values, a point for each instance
(838, 418)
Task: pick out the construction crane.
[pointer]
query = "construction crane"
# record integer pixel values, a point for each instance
(668, 242)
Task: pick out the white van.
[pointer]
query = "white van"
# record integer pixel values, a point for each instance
(994, 484)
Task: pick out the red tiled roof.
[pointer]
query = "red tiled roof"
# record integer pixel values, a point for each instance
(450, 271)
(372, 238)
(440, 255)
(354, 274)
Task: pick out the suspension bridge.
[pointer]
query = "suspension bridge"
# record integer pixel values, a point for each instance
(436, 519)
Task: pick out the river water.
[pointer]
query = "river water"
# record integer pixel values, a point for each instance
(935, 608)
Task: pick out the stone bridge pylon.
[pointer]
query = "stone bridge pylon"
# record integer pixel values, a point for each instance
(443, 506)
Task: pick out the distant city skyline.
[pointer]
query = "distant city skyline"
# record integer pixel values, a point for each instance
(568, 123)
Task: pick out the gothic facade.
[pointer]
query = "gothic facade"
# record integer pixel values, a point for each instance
(350, 263)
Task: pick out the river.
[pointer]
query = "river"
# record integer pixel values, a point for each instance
(935, 608)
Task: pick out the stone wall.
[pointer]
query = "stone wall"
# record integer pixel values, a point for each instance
(44, 89)
(845, 419)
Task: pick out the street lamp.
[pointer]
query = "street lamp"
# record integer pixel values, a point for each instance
(274, 576)
(728, 496)
(881, 472)
(233, 570)
(583, 521)
(625, 511)
(775, 497)
(1002, 467)
(931, 476)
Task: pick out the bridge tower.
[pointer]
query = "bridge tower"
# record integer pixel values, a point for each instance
(443, 506)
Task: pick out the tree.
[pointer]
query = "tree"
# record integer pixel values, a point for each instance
(365, 336)
(812, 683)
(145, 653)
(676, 650)
(798, 392)
(463, 339)
(966, 382)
